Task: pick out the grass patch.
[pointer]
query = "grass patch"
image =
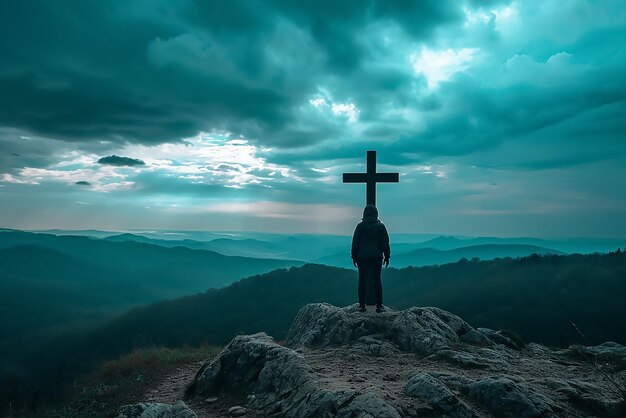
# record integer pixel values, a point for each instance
(611, 366)
(122, 381)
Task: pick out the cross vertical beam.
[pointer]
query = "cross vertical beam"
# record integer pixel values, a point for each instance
(370, 178)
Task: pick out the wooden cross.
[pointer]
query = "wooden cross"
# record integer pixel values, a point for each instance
(371, 177)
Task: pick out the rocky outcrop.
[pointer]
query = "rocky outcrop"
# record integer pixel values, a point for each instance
(610, 352)
(418, 330)
(501, 396)
(156, 410)
(505, 398)
(419, 362)
(500, 337)
(255, 366)
(432, 390)
(324, 325)
(278, 381)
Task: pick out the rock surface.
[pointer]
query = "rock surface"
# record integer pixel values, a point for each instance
(237, 411)
(420, 362)
(503, 397)
(156, 410)
(432, 390)
(279, 381)
(418, 330)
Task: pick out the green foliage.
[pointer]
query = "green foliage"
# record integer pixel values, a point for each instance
(534, 298)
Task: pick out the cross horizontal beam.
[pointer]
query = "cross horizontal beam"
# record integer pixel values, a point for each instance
(387, 177)
(371, 177)
(362, 177)
(354, 177)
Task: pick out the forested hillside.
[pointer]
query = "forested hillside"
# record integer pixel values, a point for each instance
(537, 297)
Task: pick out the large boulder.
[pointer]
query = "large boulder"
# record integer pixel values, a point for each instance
(422, 331)
(367, 405)
(499, 337)
(375, 347)
(430, 389)
(325, 325)
(276, 380)
(419, 330)
(254, 365)
(608, 353)
(462, 359)
(504, 398)
(587, 396)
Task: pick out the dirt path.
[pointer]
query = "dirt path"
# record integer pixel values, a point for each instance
(172, 389)
(172, 386)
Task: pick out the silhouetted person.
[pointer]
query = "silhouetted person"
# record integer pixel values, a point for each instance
(370, 244)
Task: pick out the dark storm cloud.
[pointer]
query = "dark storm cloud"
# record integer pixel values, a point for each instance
(120, 161)
(336, 25)
(18, 150)
(156, 72)
(159, 71)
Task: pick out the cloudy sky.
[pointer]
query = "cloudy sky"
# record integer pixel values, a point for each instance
(503, 118)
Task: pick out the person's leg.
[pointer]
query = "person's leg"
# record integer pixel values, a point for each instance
(377, 265)
(361, 265)
(370, 284)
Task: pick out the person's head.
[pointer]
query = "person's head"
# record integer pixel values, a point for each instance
(370, 211)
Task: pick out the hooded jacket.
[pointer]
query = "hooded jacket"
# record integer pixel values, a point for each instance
(370, 237)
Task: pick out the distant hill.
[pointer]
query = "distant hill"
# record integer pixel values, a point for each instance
(177, 271)
(432, 256)
(52, 286)
(444, 243)
(94, 233)
(305, 247)
(250, 247)
(226, 246)
(563, 245)
(429, 256)
(312, 247)
(169, 243)
(45, 293)
(130, 237)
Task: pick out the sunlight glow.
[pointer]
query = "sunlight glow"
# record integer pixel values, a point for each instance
(439, 66)
(348, 109)
(280, 210)
(213, 159)
(502, 17)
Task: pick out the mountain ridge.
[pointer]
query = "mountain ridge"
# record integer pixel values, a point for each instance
(433, 256)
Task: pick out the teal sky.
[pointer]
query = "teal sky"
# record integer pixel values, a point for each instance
(503, 118)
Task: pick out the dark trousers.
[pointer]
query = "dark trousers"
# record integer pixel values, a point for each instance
(369, 271)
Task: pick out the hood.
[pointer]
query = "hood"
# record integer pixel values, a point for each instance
(370, 211)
